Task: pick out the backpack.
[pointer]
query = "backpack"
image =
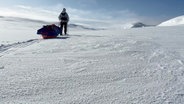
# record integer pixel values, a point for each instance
(64, 16)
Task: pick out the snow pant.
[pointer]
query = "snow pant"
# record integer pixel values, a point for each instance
(65, 25)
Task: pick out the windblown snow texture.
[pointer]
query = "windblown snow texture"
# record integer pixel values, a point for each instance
(135, 66)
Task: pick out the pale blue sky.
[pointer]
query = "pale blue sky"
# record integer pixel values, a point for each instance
(153, 11)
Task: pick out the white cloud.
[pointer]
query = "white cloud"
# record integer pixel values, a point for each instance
(50, 14)
(28, 12)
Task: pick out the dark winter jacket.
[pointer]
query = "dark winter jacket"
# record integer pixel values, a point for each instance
(63, 17)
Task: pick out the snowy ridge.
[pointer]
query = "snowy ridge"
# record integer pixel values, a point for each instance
(173, 22)
(135, 25)
(19, 19)
(138, 25)
(75, 26)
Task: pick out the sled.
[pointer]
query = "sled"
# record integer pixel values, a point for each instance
(49, 31)
(48, 37)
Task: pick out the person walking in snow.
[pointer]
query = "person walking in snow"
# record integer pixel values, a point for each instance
(64, 19)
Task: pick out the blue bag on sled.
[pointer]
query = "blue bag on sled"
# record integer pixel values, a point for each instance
(49, 31)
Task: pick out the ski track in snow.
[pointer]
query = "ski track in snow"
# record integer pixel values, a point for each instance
(92, 69)
(5, 49)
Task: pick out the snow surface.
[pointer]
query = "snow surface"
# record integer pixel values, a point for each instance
(173, 22)
(134, 66)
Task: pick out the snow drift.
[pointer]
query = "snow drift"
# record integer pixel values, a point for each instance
(173, 22)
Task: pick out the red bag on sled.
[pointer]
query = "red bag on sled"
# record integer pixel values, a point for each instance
(49, 31)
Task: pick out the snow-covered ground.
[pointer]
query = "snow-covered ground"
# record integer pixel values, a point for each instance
(133, 66)
(16, 30)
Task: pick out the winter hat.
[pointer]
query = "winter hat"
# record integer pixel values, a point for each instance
(64, 10)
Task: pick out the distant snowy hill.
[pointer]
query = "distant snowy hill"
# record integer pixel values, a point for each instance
(19, 19)
(173, 22)
(76, 26)
(135, 25)
(139, 24)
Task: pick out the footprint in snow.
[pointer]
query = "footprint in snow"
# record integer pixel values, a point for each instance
(1, 67)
